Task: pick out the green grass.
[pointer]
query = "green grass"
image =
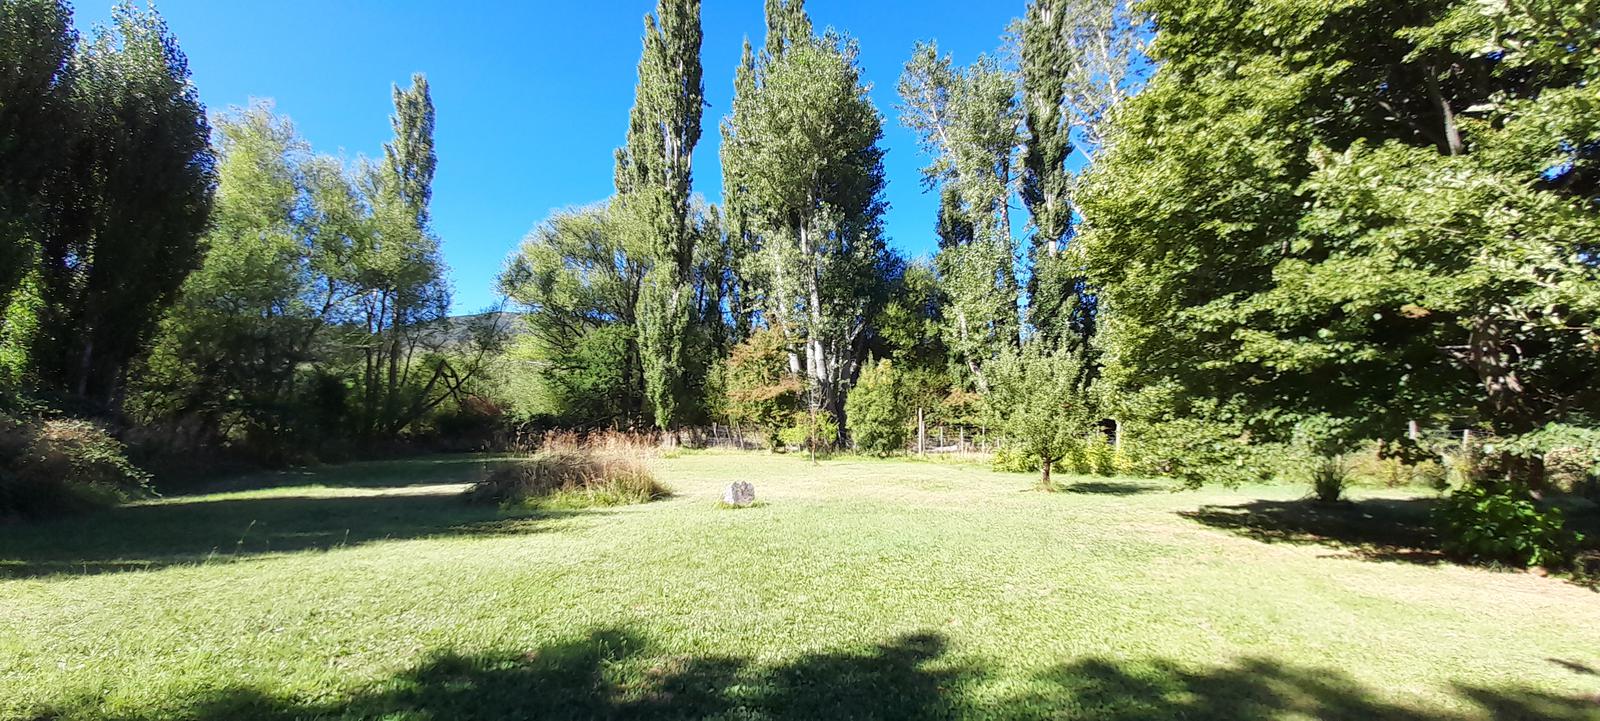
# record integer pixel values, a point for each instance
(859, 589)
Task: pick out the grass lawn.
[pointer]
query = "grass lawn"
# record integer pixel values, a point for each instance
(859, 589)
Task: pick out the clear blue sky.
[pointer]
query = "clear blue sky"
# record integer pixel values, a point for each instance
(532, 95)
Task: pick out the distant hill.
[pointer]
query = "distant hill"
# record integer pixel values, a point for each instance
(458, 329)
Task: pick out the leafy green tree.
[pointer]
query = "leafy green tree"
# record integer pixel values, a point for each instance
(763, 394)
(36, 41)
(803, 158)
(1041, 409)
(876, 409)
(966, 119)
(579, 288)
(394, 264)
(653, 182)
(245, 320)
(127, 211)
(1392, 217)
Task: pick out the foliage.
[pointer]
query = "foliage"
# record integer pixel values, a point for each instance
(762, 393)
(579, 285)
(653, 181)
(571, 479)
(1008, 459)
(36, 43)
(1391, 218)
(1500, 523)
(1329, 476)
(52, 465)
(1042, 412)
(876, 410)
(803, 166)
(228, 351)
(966, 119)
(812, 431)
(127, 208)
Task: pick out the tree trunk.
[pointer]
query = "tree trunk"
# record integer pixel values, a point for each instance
(1044, 476)
(1447, 117)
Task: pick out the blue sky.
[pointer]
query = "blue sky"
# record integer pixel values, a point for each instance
(533, 95)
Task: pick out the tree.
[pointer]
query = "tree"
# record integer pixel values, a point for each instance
(877, 411)
(803, 157)
(1079, 60)
(966, 119)
(762, 392)
(36, 41)
(393, 261)
(579, 287)
(653, 180)
(1392, 218)
(128, 209)
(1042, 411)
(228, 349)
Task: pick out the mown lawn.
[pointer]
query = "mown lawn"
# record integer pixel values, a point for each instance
(860, 589)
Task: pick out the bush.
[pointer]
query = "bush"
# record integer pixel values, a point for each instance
(1504, 525)
(1010, 460)
(805, 434)
(1329, 476)
(50, 466)
(571, 478)
(1098, 457)
(876, 412)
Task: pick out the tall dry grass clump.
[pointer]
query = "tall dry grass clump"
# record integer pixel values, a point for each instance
(573, 477)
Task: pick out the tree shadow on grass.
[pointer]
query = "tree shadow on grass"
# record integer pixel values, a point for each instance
(1114, 488)
(1375, 529)
(619, 674)
(203, 530)
(396, 473)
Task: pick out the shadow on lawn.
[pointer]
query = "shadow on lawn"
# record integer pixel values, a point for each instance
(397, 473)
(197, 531)
(1375, 529)
(617, 675)
(1114, 488)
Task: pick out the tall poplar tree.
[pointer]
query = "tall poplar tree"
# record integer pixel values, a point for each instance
(653, 179)
(966, 120)
(396, 261)
(802, 146)
(1046, 182)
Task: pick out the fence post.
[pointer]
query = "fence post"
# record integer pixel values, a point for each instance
(922, 434)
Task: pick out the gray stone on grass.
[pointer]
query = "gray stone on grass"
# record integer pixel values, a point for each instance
(740, 493)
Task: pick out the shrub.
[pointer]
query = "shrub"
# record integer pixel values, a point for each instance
(1329, 476)
(1503, 525)
(1099, 458)
(807, 434)
(568, 478)
(761, 392)
(876, 410)
(50, 466)
(1010, 460)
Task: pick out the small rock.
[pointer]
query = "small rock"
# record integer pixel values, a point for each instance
(740, 493)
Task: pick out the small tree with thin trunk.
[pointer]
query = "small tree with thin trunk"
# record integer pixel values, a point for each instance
(1039, 406)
